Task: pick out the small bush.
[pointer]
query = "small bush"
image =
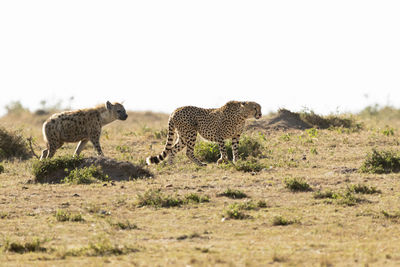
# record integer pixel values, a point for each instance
(65, 216)
(381, 162)
(251, 165)
(393, 216)
(195, 198)
(388, 131)
(13, 145)
(232, 193)
(234, 211)
(101, 247)
(207, 151)
(30, 246)
(86, 175)
(157, 199)
(297, 185)
(125, 225)
(363, 189)
(248, 147)
(43, 167)
(325, 194)
(1, 168)
(331, 121)
(282, 221)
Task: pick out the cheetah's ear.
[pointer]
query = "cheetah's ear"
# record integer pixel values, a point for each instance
(108, 105)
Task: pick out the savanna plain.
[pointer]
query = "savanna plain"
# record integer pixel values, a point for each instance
(318, 196)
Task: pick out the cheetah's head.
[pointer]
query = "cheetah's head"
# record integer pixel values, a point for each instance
(116, 110)
(252, 109)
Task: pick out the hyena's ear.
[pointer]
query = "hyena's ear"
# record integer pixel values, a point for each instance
(108, 105)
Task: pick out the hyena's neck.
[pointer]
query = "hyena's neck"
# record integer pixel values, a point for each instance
(105, 117)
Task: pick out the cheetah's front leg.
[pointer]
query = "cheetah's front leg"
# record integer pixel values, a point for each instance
(222, 149)
(235, 146)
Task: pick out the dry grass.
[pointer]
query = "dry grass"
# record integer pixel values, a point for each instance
(102, 223)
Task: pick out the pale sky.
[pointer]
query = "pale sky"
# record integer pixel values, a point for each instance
(159, 55)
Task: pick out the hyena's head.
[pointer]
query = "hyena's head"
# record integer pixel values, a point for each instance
(117, 111)
(252, 109)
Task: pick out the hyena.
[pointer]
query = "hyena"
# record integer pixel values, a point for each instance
(81, 126)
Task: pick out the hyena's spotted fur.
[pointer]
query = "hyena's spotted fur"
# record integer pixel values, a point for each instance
(81, 126)
(216, 125)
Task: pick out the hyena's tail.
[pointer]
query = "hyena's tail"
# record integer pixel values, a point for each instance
(168, 145)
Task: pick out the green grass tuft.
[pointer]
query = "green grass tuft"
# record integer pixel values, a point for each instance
(65, 216)
(41, 168)
(232, 193)
(29, 246)
(297, 185)
(381, 162)
(13, 145)
(86, 175)
(363, 189)
(248, 147)
(282, 221)
(251, 165)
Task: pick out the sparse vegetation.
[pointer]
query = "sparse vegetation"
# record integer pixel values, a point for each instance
(65, 216)
(282, 221)
(232, 193)
(86, 175)
(42, 168)
(24, 247)
(213, 210)
(158, 199)
(297, 185)
(251, 165)
(381, 162)
(248, 147)
(363, 189)
(13, 145)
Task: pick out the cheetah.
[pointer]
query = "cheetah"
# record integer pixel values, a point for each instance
(215, 124)
(81, 126)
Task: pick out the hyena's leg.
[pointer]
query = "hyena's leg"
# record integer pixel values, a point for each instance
(80, 146)
(53, 146)
(96, 143)
(222, 149)
(45, 154)
(191, 140)
(235, 146)
(178, 146)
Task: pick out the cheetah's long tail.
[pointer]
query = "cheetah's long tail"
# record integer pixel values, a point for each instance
(168, 146)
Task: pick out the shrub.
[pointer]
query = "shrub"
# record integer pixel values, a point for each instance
(1, 168)
(157, 199)
(42, 168)
(280, 220)
(381, 162)
(207, 151)
(363, 189)
(251, 165)
(29, 246)
(330, 121)
(125, 225)
(64, 216)
(86, 175)
(248, 146)
(195, 198)
(13, 145)
(232, 193)
(234, 211)
(325, 194)
(297, 185)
